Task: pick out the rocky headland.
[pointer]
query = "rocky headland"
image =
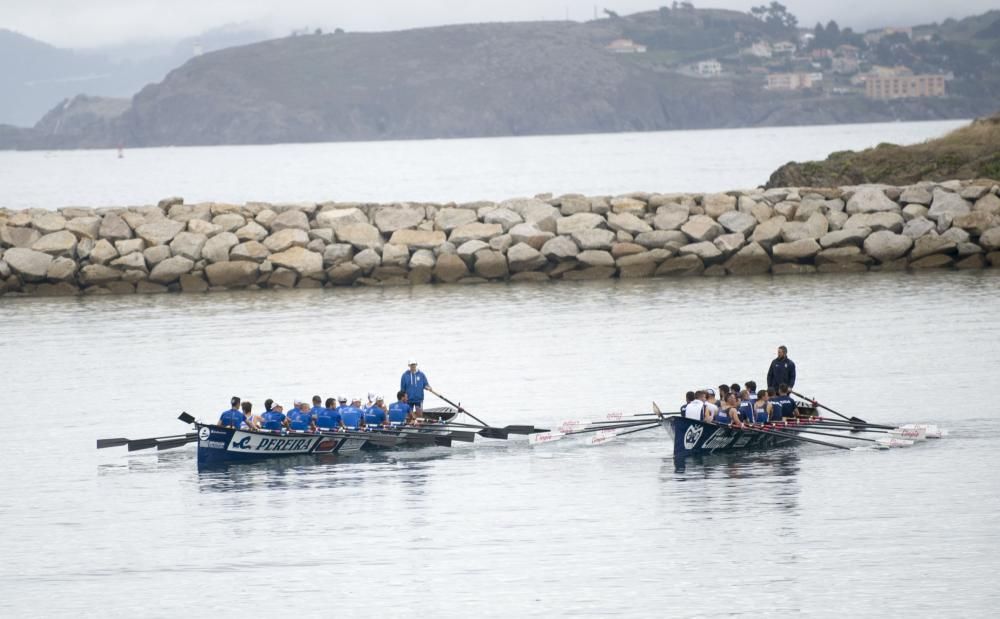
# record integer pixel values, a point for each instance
(178, 247)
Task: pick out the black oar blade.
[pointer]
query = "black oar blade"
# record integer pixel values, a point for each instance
(177, 442)
(186, 418)
(143, 443)
(103, 443)
(420, 439)
(442, 441)
(465, 437)
(858, 420)
(497, 433)
(519, 429)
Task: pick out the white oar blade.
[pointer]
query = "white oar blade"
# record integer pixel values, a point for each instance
(544, 437)
(890, 441)
(909, 433)
(604, 436)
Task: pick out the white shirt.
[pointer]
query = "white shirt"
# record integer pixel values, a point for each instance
(694, 409)
(710, 411)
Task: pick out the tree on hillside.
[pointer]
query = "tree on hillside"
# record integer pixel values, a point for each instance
(776, 17)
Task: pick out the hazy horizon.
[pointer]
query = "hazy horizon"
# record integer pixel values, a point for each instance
(118, 22)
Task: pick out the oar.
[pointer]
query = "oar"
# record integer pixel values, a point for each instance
(853, 438)
(146, 443)
(177, 442)
(814, 402)
(458, 407)
(103, 443)
(787, 435)
(549, 437)
(846, 424)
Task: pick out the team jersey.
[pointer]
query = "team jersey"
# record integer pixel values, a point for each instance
(350, 416)
(722, 418)
(300, 420)
(272, 420)
(328, 419)
(374, 416)
(746, 410)
(694, 409)
(398, 411)
(232, 418)
(413, 383)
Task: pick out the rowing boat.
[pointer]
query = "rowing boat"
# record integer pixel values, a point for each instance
(217, 444)
(691, 436)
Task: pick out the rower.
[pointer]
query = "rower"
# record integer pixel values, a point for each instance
(688, 397)
(728, 411)
(273, 418)
(711, 408)
(762, 407)
(233, 417)
(249, 423)
(329, 417)
(751, 389)
(317, 406)
(352, 416)
(695, 409)
(399, 411)
(376, 415)
(788, 405)
(301, 419)
(745, 407)
(413, 382)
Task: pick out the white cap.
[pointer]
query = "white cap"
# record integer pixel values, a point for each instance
(379, 398)
(412, 361)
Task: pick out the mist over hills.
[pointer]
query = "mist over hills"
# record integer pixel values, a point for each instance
(527, 78)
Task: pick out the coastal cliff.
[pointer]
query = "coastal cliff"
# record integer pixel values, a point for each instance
(177, 247)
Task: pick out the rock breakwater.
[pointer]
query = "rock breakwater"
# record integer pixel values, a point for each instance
(175, 246)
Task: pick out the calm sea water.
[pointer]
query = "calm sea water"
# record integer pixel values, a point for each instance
(435, 170)
(501, 528)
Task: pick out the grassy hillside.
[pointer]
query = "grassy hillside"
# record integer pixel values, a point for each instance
(970, 152)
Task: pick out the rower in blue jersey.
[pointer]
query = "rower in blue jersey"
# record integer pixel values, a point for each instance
(376, 415)
(745, 407)
(233, 417)
(399, 411)
(761, 407)
(328, 418)
(782, 405)
(273, 418)
(301, 419)
(317, 406)
(352, 416)
(413, 382)
(729, 410)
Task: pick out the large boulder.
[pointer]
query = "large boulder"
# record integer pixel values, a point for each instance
(975, 222)
(701, 228)
(524, 257)
(735, 221)
(104, 252)
(300, 260)
(579, 222)
(685, 265)
(292, 218)
(337, 218)
(47, 223)
(395, 255)
(113, 228)
(625, 204)
(189, 245)
(847, 237)
(216, 249)
(171, 269)
(61, 243)
(389, 219)
(988, 204)
(875, 221)
(715, 204)
(475, 232)
(134, 261)
(491, 264)
(467, 251)
(61, 270)
(253, 231)
(448, 219)
(251, 251)
(368, 260)
(450, 268)
(11, 236)
(870, 200)
(796, 251)
(344, 274)
(658, 239)
(558, 248)
(235, 274)
(97, 274)
(730, 243)
(596, 258)
(159, 232)
(503, 216)
(361, 236)
(542, 214)
(524, 233)
(571, 205)
(947, 205)
(990, 240)
(931, 244)
(337, 253)
(768, 233)
(230, 222)
(418, 239)
(671, 216)
(886, 246)
(915, 195)
(30, 264)
(751, 260)
(842, 255)
(627, 222)
(706, 250)
(85, 227)
(918, 227)
(596, 238)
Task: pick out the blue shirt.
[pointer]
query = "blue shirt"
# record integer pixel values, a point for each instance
(328, 419)
(746, 410)
(413, 383)
(272, 420)
(374, 416)
(783, 403)
(398, 412)
(351, 416)
(231, 417)
(300, 420)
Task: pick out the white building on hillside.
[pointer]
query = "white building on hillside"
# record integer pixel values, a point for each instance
(709, 68)
(625, 46)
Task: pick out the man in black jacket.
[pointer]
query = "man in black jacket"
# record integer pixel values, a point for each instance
(782, 371)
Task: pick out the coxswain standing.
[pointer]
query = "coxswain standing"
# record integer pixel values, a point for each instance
(413, 382)
(782, 370)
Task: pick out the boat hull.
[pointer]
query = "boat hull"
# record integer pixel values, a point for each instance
(225, 445)
(691, 437)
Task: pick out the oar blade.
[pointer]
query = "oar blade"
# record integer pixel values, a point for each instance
(604, 436)
(177, 442)
(464, 437)
(442, 441)
(185, 417)
(143, 443)
(497, 433)
(545, 437)
(519, 429)
(104, 443)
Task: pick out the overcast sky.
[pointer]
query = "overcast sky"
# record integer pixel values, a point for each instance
(89, 23)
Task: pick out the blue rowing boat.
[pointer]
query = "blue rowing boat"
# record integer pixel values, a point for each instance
(217, 444)
(691, 436)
